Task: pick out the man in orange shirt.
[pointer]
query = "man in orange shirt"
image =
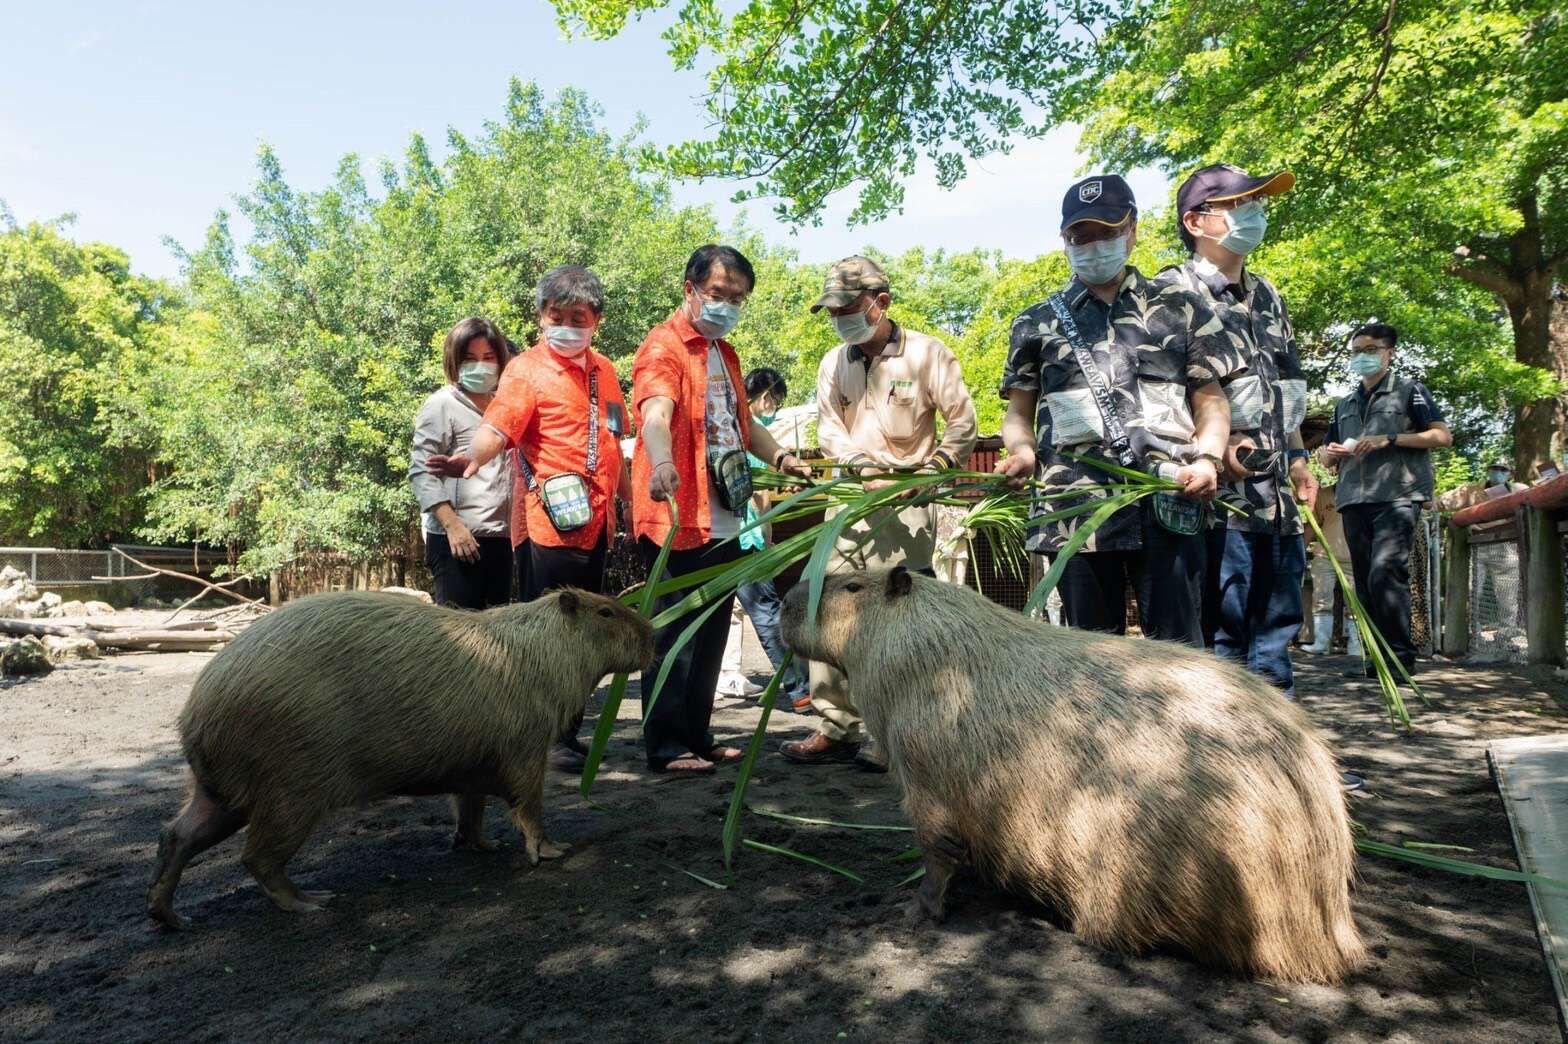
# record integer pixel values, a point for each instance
(696, 429)
(560, 407)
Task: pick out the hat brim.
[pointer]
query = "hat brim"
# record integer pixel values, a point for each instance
(1272, 185)
(1108, 216)
(841, 298)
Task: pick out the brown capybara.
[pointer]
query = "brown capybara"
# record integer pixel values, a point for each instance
(1149, 792)
(339, 699)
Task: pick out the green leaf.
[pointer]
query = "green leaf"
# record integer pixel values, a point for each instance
(813, 860)
(1454, 866)
(731, 829)
(808, 821)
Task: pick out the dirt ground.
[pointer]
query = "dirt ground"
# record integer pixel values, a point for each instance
(616, 943)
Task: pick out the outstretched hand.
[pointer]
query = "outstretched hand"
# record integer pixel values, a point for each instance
(454, 466)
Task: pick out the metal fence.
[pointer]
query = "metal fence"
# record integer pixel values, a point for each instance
(63, 567)
(1496, 603)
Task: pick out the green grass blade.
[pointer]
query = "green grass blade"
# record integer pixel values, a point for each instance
(803, 857)
(753, 750)
(686, 635)
(808, 821)
(1431, 846)
(912, 878)
(908, 855)
(1455, 866)
(1104, 511)
(710, 882)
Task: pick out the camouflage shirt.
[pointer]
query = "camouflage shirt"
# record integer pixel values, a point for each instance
(1268, 402)
(1153, 345)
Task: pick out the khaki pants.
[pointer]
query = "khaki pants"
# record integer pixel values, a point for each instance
(1324, 583)
(904, 537)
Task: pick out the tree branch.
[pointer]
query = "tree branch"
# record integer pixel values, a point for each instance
(1482, 273)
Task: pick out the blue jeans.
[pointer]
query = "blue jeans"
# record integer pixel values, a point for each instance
(1258, 601)
(761, 601)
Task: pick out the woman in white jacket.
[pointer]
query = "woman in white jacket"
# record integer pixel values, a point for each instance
(467, 545)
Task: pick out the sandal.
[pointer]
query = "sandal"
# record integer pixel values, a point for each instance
(690, 765)
(724, 755)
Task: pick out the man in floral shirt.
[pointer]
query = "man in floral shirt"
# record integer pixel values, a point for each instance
(1252, 591)
(1162, 355)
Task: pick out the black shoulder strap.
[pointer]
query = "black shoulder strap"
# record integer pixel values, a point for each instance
(1110, 416)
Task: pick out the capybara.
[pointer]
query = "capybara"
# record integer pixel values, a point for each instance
(339, 699)
(1149, 792)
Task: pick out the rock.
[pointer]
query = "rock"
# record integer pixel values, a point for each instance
(25, 656)
(60, 648)
(73, 608)
(10, 575)
(421, 595)
(99, 608)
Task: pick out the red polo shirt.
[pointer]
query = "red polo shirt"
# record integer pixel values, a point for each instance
(541, 407)
(672, 361)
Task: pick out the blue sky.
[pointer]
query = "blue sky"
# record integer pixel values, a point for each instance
(143, 117)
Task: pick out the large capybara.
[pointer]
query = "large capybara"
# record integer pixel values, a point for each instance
(1149, 792)
(339, 699)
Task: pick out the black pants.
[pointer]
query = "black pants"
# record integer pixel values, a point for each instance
(552, 567)
(1379, 536)
(1166, 575)
(520, 560)
(471, 585)
(679, 722)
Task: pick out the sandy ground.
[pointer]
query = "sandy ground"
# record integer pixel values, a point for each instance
(615, 943)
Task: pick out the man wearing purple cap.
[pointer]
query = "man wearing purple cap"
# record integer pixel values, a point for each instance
(1120, 368)
(1252, 590)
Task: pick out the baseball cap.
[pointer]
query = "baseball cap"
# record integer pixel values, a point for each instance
(1221, 181)
(1102, 198)
(848, 279)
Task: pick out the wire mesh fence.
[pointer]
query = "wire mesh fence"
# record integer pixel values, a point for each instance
(65, 568)
(1496, 606)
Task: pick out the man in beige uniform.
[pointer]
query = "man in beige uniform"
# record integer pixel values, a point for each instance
(878, 394)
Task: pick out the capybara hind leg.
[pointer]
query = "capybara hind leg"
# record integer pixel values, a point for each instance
(201, 824)
(943, 855)
(469, 809)
(528, 815)
(272, 840)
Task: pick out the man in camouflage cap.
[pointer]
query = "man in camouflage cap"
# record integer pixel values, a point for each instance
(878, 394)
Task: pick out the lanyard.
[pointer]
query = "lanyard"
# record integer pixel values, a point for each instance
(593, 434)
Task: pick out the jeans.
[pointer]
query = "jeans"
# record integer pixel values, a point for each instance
(1166, 575)
(1258, 600)
(1380, 536)
(761, 601)
(470, 585)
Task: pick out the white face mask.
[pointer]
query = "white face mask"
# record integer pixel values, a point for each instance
(568, 341)
(855, 328)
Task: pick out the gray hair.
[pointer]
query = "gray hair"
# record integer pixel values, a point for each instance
(566, 285)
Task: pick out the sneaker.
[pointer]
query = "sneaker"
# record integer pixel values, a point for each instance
(819, 750)
(1351, 781)
(733, 683)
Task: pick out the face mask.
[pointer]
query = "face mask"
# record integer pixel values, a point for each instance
(1247, 223)
(569, 341)
(765, 418)
(854, 328)
(717, 318)
(1097, 263)
(1365, 364)
(478, 377)
(1496, 478)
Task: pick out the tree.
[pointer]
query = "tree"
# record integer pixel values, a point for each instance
(78, 333)
(1431, 138)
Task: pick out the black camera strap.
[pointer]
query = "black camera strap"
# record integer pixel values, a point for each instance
(1115, 431)
(593, 435)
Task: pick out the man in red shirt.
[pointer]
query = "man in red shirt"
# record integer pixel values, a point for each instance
(560, 407)
(696, 428)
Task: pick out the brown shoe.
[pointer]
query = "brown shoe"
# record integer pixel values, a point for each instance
(819, 750)
(871, 757)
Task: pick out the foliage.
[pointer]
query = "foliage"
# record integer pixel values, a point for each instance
(78, 335)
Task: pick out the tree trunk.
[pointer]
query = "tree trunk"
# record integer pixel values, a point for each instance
(1540, 322)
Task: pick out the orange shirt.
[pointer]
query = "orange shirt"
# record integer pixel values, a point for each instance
(541, 408)
(672, 361)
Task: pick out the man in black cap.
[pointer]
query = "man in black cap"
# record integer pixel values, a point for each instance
(1252, 591)
(1123, 369)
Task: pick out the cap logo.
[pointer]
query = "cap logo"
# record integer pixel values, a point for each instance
(1233, 169)
(1088, 192)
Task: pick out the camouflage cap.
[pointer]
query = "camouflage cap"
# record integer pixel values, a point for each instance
(848, 279)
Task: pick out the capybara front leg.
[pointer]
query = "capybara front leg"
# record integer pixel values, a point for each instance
(201, 824)
(528, 815)
(470, 812)
(271, 841)
(944, 854)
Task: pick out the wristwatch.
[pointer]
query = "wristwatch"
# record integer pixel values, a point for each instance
(1393, 440)
(778, 458)
(1219, 464)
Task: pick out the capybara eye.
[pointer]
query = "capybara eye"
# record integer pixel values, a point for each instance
(853, 586)
(606, 613)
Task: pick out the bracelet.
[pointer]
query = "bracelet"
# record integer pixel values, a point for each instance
(1219, 465)
(665, 464)
(1295, 454)
(778, 458)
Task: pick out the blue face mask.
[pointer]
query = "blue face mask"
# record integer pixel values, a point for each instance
(1365, 364)
(478, 377)
(717, 319)
(1097, 263)
(1247, 223)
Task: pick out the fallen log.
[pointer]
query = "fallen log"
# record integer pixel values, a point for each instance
(165, 639)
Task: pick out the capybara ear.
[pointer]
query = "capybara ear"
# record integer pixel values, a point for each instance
(569, 602)
(899, 583)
